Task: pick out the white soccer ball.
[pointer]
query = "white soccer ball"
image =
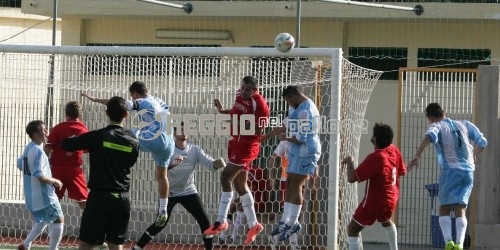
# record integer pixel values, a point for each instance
(284, 42)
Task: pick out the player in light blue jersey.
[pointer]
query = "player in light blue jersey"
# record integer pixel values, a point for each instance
(457, 145)
(152, 136)
(303, 154)
(39, 192)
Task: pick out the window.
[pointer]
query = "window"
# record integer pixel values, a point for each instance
(453, 58)
(384, 59)
(10, 3)
(151, 65)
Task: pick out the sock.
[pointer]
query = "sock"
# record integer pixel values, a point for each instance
(461, 225)
(163, 205)
(392, 236)
(293, 239)
(208, 242)
(55, 235)
(445, 223)
(224, 203)
(353, 243)
(247, 202)
(144, 240)
(286, 212)
(294, 214)
(34, 233)
(240, 216)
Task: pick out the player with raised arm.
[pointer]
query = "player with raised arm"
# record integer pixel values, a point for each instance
(381, 169)
(457, 145)
(242, 150)
(39, 192)
(113, 151)
(183, 190)
(153, 137)
(303, 155)
(67, 166)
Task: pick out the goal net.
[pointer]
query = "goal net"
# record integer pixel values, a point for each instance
(37, 82)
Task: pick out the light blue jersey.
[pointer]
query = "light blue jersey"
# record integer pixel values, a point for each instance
(453, 142)
(34, 164)
(304, 126)
(152, 134)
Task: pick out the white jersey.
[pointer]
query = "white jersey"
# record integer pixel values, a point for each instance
(181, 178)
(34, 164)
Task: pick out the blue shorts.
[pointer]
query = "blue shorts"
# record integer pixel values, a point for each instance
(455, 186)
(302, 165)
(161, 148)
(48, 214)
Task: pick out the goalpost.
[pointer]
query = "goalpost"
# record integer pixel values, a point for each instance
(188, 79)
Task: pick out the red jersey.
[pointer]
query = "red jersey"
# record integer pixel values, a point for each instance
(381, 169)
(256, 105)
(61, 131)
(257, 183)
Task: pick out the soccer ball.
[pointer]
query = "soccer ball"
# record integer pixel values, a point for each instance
(284, 42)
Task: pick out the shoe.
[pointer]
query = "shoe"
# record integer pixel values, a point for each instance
(252, 233)
(289, 230)
(450, 245)
(161, 219)
(279, 229)
(216, 228)
(21, 247)
(458, 247)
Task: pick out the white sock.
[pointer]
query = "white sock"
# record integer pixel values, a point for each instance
(294, 214)
(247, 202)
(55, 235)
(353, 243)
(224, 203)
(293, 239)
(461, 224)
(445, 224)
(163, 205)
(34, 233)
(392, 236)
(286, 212)
(240, 216)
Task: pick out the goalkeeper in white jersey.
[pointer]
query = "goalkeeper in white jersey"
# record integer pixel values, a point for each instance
(181, 174)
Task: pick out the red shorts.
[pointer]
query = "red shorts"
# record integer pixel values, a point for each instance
(367, 215)
(73, 180)
(243, 152)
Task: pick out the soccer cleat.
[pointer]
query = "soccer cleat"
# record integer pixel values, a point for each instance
(21, 247)
(252, 233)
(289, 230)
(161, 220)
(216, 228)
(458, 247)
(279, 229)
(450, 245)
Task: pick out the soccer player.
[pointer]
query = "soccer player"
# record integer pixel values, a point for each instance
(39, 192)
(182, 187)
(381, 169)
(153, 137)
(453, 141)
(260, 185)
(242, 150)
(113, 152)
(67, 166)
(303, 155)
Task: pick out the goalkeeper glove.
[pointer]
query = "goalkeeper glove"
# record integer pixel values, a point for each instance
(219, 163)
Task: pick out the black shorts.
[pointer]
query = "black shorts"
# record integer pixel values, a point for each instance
(105, 217)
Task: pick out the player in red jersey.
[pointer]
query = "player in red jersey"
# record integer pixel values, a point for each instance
(242, 150)
(381, 169)
(67, 166)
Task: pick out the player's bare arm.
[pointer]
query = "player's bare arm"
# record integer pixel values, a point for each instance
(49, 180)
(94, 99)
(348, 162)
(276, 131)
(283, 137)
(218, 105)
(414, 162)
